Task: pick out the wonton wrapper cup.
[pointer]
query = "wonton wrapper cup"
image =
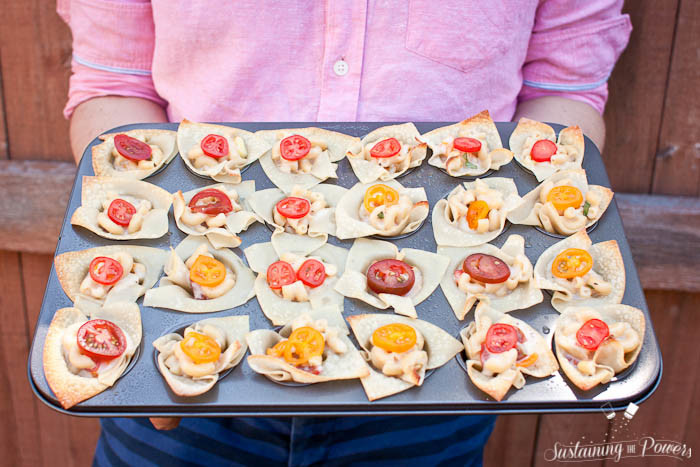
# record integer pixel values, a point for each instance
(190, 134)
(324, 167)
(607, 261)
(525, 295)
(610, 313)
(439, 346)
(235, 328)
(525, 212)
(347, 213)
(236, 222)
(498, 386)
(69, 388)
(94, 193)
(172, 296)
(473, 127)
(278, 310)
(364, 252)
(447, 234)
(103, 161)
(568, 136)
(369, 171)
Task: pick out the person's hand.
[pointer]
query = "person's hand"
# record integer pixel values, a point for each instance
(165, 423)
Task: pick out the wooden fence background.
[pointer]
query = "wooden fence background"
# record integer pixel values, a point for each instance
(653, 148)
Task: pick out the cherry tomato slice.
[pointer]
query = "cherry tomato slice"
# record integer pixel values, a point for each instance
(501, 337)
(121, 212)
(101, 339)
(394, 337)
(527, 361)
(280, 273)
(563, 197)
(201, 348)
(215, 146)
(572, 262)
(105, 271)
(295, 147)
(477, 210)
(312, 273)
(486, 268)
(380, 195)
(132, 148)
(543, 150)
(211, 201)
(207, 271)
(310, 337)
(467, 144)
(277, 350)
(293, 207)
(390, 276)
(592, 334)
(385, 148)
(303, 344)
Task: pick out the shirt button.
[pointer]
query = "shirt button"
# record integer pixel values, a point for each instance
(340, 67)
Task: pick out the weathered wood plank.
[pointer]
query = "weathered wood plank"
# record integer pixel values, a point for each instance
(567, 429)
(512, 441)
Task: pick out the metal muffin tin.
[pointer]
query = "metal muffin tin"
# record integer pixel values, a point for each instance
(143, 392)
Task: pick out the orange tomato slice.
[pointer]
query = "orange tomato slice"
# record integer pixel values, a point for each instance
(310, 337)
(380, 195)
(572, 262)
(525, 362)
(563, 197)
(395, 337)
(207, 271)
(200, 347)
(302, 344)
(277, 350)
(477, 210)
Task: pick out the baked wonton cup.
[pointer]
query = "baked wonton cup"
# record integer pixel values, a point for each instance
(570, 147)
(369, 169)
(450, 221)
(491, 156)
(151, 202)
(536, 210)
(353, 220)
(588, 368)
(244, 149)
(68, 383)
(219, 229)
(187, 378)
(327, 148)
(428, 269)
(498, 372)
(603, 284)
(517, 292)
(283, 305)
(107, 162)
(439, 346)
(176, 291)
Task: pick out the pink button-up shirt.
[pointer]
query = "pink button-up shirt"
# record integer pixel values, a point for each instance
(343, 60)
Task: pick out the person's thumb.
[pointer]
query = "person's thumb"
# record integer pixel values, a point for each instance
(165, 423)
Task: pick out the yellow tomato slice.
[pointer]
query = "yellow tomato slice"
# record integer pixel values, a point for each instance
(303, 343)
(572, 262)
(207, 271)
(278, 349)
(395, 337)
(200, 347)
(310, 337)
(563, 197)
(477, 210)
(380, 195)
(528, 361)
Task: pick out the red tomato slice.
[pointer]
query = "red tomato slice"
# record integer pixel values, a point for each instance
(132, 148)
(592, 334)
(543, 150)
(293, 148)
(385, 148)
(215, 146)
(280, 273)
(501, 337)
(101, 339)
(293, 207)
(467, 144)
(105, 271)
(312, 273)
(486, 268)
(121, 212)
(390, 276)
(211, 201)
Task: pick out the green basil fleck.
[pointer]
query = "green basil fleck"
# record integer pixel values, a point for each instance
(468, 164)
(586, 205)
(380, 215)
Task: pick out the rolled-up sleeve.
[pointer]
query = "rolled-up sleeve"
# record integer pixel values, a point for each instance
(113, 45)
(573, 48)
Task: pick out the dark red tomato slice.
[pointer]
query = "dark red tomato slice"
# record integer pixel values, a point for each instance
(501, 337)
(101, 339)
(215, 146)
(106, 271)
(486, 268)
(385, 148)
(211, 201)
(312, 273)
(132, 148)
(592, 334)
(543, 150)
(293, 148)
(293, 208)
(467, 144)
(280, 273)
(121, 212)
(390, 276)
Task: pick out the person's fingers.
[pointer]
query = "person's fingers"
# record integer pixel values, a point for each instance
(165, 423)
